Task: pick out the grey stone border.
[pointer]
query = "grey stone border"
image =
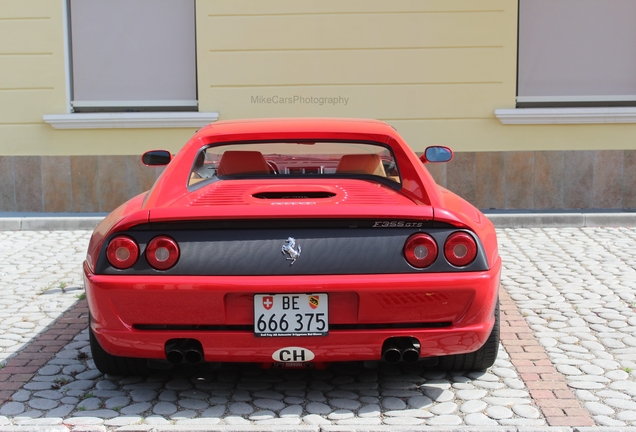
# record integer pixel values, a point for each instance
(561, 220)
(48, 222)
(302, 428)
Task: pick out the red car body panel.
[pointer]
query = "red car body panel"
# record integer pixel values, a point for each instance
(463, 301)
(467, 302)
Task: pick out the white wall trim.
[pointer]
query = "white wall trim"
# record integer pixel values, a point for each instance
(567, 115)
(141, 120)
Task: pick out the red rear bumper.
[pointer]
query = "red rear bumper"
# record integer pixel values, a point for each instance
(465, 302)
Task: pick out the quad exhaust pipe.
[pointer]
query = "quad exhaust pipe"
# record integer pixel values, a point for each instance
(184, 351)
(406, 349)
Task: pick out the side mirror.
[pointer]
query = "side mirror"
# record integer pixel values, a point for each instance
(436, 154)
(156, 157)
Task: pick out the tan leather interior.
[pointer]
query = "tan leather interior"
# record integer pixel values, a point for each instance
(242, 162)
(361, 164)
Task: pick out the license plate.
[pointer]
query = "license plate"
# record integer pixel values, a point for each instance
(291, 315)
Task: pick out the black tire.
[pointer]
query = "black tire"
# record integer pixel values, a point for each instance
(114, 365)
(479, 360)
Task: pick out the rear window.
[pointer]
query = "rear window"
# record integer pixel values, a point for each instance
(295, 160)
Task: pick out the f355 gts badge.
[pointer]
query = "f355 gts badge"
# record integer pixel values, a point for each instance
(289, 251)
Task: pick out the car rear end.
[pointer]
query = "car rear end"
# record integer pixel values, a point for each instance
(319, 290)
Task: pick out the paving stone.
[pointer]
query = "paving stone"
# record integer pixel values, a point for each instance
(115, 402)
(589, 385)
(168, 396)
(568, 370)
(526, 411)
(143, 395)
(262, 415)
(294, 411)
(471, 394)
(473, 406)
(269, 404)
(443, 408)
(240, 408)
(391, 403)
(510, 393)
(101, 414)
(318, 408)
(50, 370)
(346, 404)
(621, 403)
(193, 404)
(134, 409)
(12, 408)
(608, 421)
(42, 404)
(592, 369)
(90, 404)
(164, 408)
(498, 412)
(419, 402)
(21, 396)
(626, 416)
(479, 419)
(214, 411)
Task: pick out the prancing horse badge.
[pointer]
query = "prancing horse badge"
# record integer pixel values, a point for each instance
(288, 250)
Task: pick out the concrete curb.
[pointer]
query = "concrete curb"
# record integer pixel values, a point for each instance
(52, 222)
(561, 220)
(306, 428)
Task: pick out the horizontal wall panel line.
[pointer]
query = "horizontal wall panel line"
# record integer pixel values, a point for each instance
(359, 13)
(21, 124)
(23, 54)
(27, 89)
(24, 18)
(358, 49)
(355, 84)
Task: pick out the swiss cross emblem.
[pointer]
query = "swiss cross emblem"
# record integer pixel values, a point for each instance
(268, 302)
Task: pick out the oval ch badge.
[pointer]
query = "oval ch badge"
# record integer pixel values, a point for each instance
(293, 354)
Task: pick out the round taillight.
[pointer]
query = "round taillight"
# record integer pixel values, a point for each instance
(162, 253)
(460, 249)
(122, 252)
(420, 250)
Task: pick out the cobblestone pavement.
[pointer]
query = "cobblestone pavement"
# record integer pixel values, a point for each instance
(575, 290)
(40, 277)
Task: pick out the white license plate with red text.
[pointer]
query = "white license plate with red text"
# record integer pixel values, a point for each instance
(291, 315)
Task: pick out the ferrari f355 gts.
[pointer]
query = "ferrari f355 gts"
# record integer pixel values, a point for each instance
(294, 243)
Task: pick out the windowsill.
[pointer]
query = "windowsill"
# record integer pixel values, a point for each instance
(590, 115)
(140, 120)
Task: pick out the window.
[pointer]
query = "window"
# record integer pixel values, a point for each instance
(295, 160)
(133, 55)
(577, 53)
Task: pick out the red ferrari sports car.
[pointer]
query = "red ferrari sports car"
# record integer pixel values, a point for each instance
(294, 243)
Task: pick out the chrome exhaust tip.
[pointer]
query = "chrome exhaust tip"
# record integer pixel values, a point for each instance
(184, 350)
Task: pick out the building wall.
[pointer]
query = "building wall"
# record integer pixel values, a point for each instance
(434, 69)
(426, 67)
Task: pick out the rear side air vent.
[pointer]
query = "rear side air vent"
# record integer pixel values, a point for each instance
(294, 195)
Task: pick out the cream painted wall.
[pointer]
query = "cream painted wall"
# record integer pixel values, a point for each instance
(410, 63)
(435, 69)
(33, 83)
